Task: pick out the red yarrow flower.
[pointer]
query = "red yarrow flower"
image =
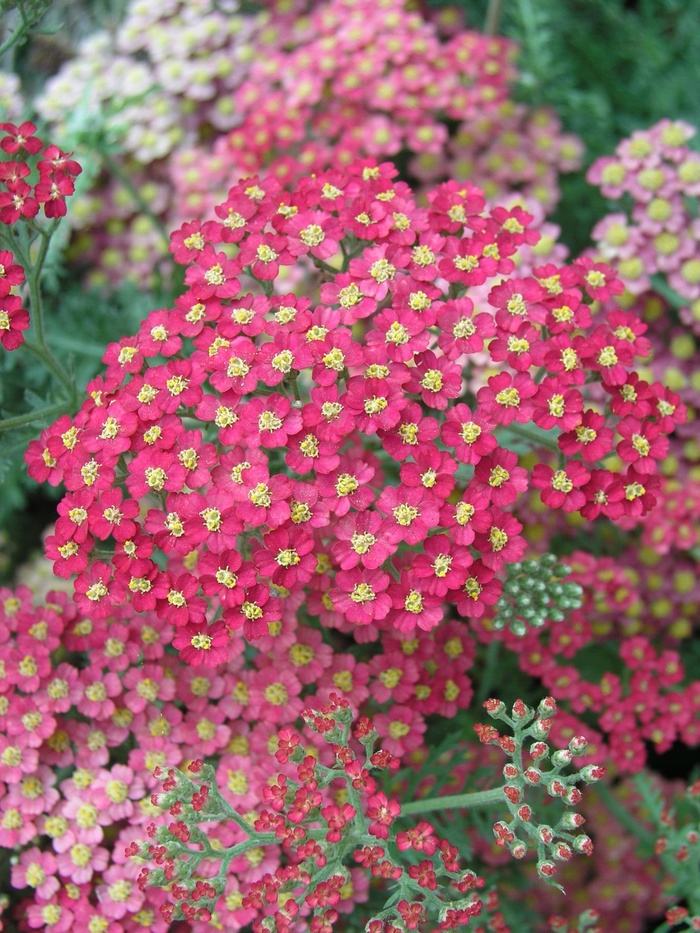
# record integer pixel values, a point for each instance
(14, 319)
(201, 645)
(381, 812)
(561, 489)
(361, 595)
(508, 398)
(20, 138)
(468, 433)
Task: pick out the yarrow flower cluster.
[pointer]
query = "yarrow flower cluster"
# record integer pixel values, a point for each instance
(33, 178)
(320, 837)
(166, 71)
(324, 92)
(269, 445)
(288, 91)
(89, 709)
(659, 175)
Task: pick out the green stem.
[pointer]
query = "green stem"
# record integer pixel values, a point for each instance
(537, 437)
(489, 670)
(19, 421)
(22, 30)
(33, 268)
(324, 266)
(493, 17)
(42, 352)
(620, 813)
(480, 798)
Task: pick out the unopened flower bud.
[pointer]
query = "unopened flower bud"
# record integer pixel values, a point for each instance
(518, 849)
(573, 796)
(546, 869)
(571, 821)
(547, 707)
(583, 844)
(510, 772)
(541, 728)
(532, 775)
(539, 750)
(545, 833)
(578, 745)
(561, 758)
(592, 773)
(556, 788)
(521, 711)
(562, 852)
(495, 708)
(502, 833)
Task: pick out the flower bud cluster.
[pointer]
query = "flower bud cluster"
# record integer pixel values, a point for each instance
(533, 593)
(588, 921)
(678, 847)
(525, 771)
(323, 841)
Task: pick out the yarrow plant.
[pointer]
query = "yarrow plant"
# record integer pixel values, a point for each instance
(379, 454)
(305, 479)
(321, 839)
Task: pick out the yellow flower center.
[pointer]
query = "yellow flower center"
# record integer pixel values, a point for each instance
(472, 588)
(561, 482)
(283, 362)
(413, 602)
(201, 641)
(362, 593)
(463, 328)
(361, 543)
(288, 558)
(346, 484)
(312, 235)
(276, 694)
(215, 275)
(268, 421)
(432, 381)
(405, 514)
(498, 477)
(641, 445)
(155, 478)
(397, 334)
(607, 357)
(382, 270)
